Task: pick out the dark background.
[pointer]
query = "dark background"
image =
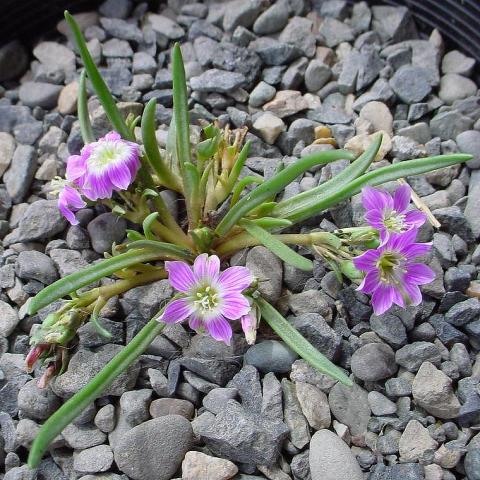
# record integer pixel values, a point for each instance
(457, 20)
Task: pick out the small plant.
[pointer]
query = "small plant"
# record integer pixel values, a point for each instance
(223, 213)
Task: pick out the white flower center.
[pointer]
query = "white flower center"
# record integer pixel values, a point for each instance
(394, 221)
(391, 266)
(106, 153)
(205, 300)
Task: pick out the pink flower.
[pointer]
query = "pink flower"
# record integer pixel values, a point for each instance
(249, 327)
(390, 214)
(103, 167)
(69, 202)
(208, 298)
(392, 275)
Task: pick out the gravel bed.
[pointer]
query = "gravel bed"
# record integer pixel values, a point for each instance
(303, 76)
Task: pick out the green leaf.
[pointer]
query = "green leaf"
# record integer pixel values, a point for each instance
(277, 247)
(82, 110)
(163, 249)
(86, 276)
(240, 186)
(377, 177)
(182, 130)
(74, 406)
(150, 144)
(275, 185)
(99, 85)
(238, 165)
(147, 223)
(270, 223)
(300, 344)
(288, 207)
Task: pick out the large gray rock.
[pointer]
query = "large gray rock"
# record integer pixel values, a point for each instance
(411, 84)
(469, 142)
(154, 449)
(433, 391)
(374, 361)
(84, 365)
(331, 459)
(93, 460)
(8, 319)
(216, 80)
(106, 229)
(271, 356)
(42, 220)
(241, 13)
(39, 94)
(37, 403)
(415, 442)
(267, 268)
(21, 172)
(243, 436)
(33, 265)
(349, 405)
(273, 19)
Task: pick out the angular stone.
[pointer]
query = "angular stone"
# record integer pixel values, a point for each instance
(331, 459)
(84, 365)
(432, 390)
(243, 436)
(415, 442)
(349, 405)
(154, 449)
(21, 172)
(373, 361)
(198, 466)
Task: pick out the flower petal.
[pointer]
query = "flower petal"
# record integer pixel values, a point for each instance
(76, 167)
(370, 282)
(382, 299)
(195, 322)
(401, 197)
(111, 136)
(176, 311)
(415, 218)
(234, 305)
(180, 275)
(235, 279)
(419, 274)
(417, 250)
(219, 328)
(373, 199)
(367, 260)
(375, 218)
(414, 293)
(206, 267)
(120, 176)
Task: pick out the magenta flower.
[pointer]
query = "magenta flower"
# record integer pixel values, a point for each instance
(390, 214)
(208, 298)
(249, 326)
(392, 276)
(69, 202)
(104, 167)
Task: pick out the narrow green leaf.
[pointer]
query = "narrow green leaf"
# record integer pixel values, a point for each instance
(74, 406)
(269, 223)
(377, 177)
(99, 85)
(288, 207)
(82, 110)
(182, 131)
(150, 144)
(300, 344)
(162, 249)
(275, 185)
(86, 276)
(240, 186)
(147, 223)
(191, 184)
(238, 165)
(277, 247)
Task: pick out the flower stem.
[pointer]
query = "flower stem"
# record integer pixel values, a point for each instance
(84, 397)
(244, 240)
